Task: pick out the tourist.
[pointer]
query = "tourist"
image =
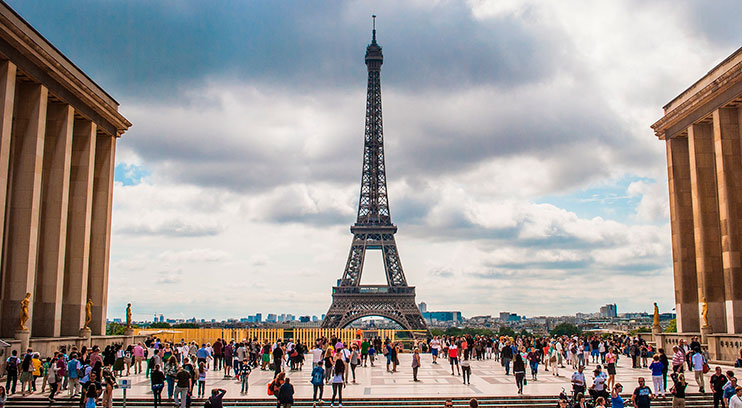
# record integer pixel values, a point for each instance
(3, 396)
(217, 395)
(466, 369)
(44, 371)
(36, 362)
(533, 360)
(415, 364)
(678, 359)
(338, 382)
(642, 396)
(91, 396)
(736, 400)
(355, 360)
(729, 387)
(318, 383)
(698, 362)
(665, 367)
(184, 383)
(656, 368)
(52, 379)
(678, 390)
(138, 352)
(506, 356)
(278, 354)
(395, 350)
(717, 382)
(245, 371)
(26, 374)
(372, 350)
(73, 367)
(580, 400)
(157, 383)
(616, 400)
(473, 403)
(286, 394)
(611, 358)
(519, 369)
(171, 372)
(201, 375)
(109, 382)
(12, 366)
(600, 402)
(228, 351)
(453, 357)
(435, 345)
(365, 346)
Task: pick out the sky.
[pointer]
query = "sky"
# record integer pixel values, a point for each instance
(522, 171)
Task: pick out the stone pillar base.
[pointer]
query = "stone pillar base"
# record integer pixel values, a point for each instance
(129, 332)
(24, 336)
(86, 332)
(705, 331)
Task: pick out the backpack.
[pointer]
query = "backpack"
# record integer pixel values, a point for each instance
(12, 364)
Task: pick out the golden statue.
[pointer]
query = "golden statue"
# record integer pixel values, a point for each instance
(128, 316)
(23, 315)
(705, 312)
(88, 313)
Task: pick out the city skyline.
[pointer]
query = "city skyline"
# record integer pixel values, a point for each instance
(520, 158)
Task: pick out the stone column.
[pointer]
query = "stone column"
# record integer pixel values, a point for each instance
(683, 241)
(100, 238)
(729, 178)
(54, 208)
(706, 223)
(78, 227)
(7, 96)
(24, 202)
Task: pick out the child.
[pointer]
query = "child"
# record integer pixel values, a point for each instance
(244, 374)
(371, 354)
(44, 372)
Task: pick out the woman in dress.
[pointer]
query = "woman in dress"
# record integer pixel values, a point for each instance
(26, 374)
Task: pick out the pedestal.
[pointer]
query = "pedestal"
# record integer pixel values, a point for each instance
(657, 337)
(129, 332)
(86, 332)
(24, 336)
(705, 331)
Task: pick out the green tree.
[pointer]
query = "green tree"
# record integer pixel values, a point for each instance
(115, 329)
(672, 327)
(506, 331)
(159, 325)
(436, 332)
(640, 330)
(565, 329)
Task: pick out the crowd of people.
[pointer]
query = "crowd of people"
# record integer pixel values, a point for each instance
(180, 369)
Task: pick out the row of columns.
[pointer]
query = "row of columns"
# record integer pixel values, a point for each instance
(705, 180)
(56, 182)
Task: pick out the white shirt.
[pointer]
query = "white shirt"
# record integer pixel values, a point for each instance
(735, 402)
(435, 344)
(697, 361)
(317, 355)
(579, 378)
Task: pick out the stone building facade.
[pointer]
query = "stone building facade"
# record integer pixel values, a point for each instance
(701, 131)
(58, 133)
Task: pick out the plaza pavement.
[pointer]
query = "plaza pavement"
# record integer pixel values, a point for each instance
(488, 378)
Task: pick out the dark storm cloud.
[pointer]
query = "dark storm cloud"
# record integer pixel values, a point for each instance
(142, 49)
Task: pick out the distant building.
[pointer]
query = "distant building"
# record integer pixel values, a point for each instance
(609, 311)
(258, 317)
(442, 316)
(315, 318)
(162, 318)
(304, 319)
(505, 316)
(272, 318)
(423, 307)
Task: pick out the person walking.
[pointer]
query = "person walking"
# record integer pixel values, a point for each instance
(338, 382)
(611, 358)
(533, 360)
(506, 356)
(656, 368)
(578, 381)
(184, 383)
(698, 362)
(616, 400)
(642, 396)
(519, 369)
(718, 380)
(245, 371)
(466, 369)
(318, 383)
(355, 360)
(286, 394)
(157, 383)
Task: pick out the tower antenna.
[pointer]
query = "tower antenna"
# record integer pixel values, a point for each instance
(373, 18)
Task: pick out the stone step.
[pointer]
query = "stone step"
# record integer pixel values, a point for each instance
(693, 401)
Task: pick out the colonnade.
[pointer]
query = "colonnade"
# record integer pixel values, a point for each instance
(705, 179)
(56, 183)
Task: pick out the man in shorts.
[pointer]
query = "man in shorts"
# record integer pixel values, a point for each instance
(453, 357)
(435, 345)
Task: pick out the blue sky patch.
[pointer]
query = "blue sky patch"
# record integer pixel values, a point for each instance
(130, 174)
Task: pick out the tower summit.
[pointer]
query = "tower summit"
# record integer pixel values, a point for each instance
(373, 229)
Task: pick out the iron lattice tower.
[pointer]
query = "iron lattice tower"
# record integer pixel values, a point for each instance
(374, 230)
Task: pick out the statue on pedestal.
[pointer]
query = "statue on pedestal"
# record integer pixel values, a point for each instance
(128, 316)
(656, 315)
(705, 312)
(88, 313)
(23, 315)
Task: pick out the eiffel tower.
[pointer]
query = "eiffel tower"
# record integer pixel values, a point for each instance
(374, 230)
